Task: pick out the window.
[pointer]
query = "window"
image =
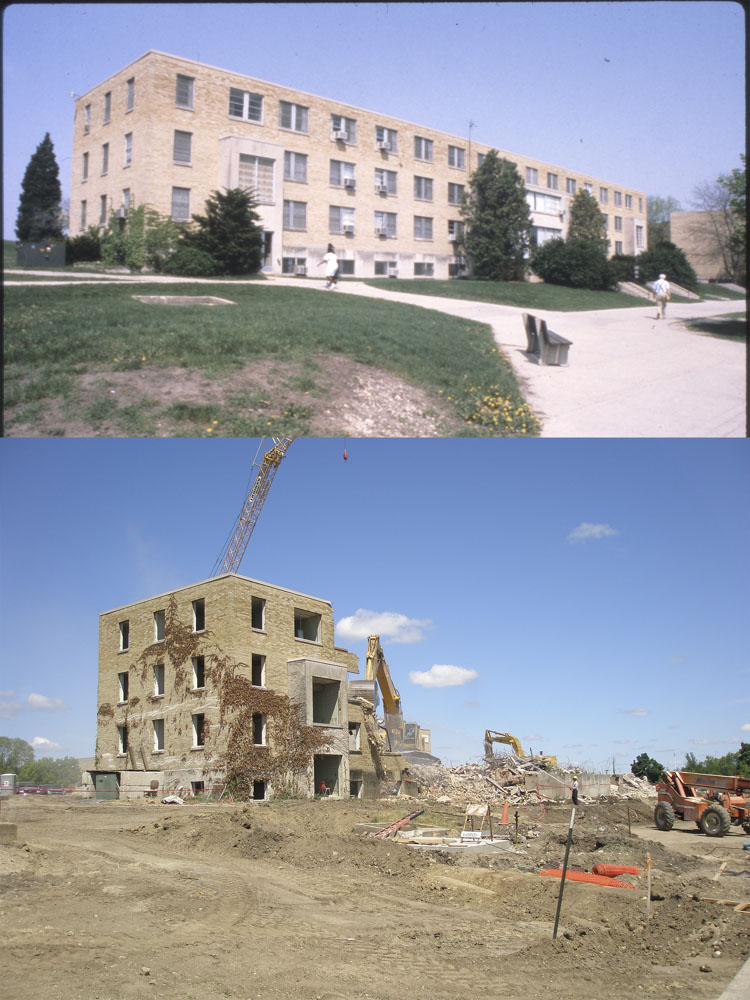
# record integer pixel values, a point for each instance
(256, 175)
(122, 686)
(340, 219)
(325, 701)
(128, 149)
(199, 725)
(184, 92)
(455, 194)
(257, 613)
(289, 265)
(532, 175)
(570, 185)
(83, 215)
(618, 223)
(389, 136)
(159, 680)
(306, 625)
(122, 739)
(295, 166)
(158, 735)
(542, 234)
(259, 729)
(258, 670)
(354, 735)
(124, 628)
(182, 146)
(344, 129)
(86, 119)
(385, 224)
(199, 671)
(618, 198)
(385, 181)
(199, 615)
(423, 188)
(105, 157)
(340, 172)
(130, 98)
(481, 157)
(292, 116)
(424, 269)
(548, 203)
(603, 195)
(618, 249)
(295, 215)
(346, 267)
(456, 230)
(639, 241)
(102, 209)
(605, 224)
(385, 268)
(243, 104)
(422, 227)
(456, 157)
(640, 204)
(589, 188)
(181, 204)
(159, 619)
(423, 149)
(126, 200)
(197, 787)
(107, 106)
(552, 181)
(85, 166)
(628, 201)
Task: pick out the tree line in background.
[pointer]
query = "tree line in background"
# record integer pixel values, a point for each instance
(17, 757)
(499, 241)
(737, 762)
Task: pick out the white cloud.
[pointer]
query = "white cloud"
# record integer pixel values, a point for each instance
(585, 531)
(7, 694)
(442, 675)
(745, 728)
(635, 711)
(9, 709)
(41, 743)
(41, 703)
(389, 625)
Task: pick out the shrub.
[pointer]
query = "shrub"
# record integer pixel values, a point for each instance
(575, 263)
(668, 259)
(190, 262)
(623, 266)
(229, 232)
(85, 247)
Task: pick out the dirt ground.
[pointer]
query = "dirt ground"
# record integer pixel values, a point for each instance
(282, 900)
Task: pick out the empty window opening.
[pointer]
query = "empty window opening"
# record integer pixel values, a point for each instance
(259, 789)
(158, 626)
(258, 668)
(124, 635)
(159, 679)
(306, 625)
(258, 613)
(199, 722)
(326, 773)
(199, 615)
(122, 739)
(325, 699)
(197, 787)
(122, 681)
(158, 734)
(355, 785)
(199, 671)
(259, 730)
(354, 735)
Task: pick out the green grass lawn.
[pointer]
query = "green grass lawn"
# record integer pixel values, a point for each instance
(59, 339)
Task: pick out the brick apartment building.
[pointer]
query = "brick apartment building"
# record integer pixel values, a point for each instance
(158, 707)
(167, 131)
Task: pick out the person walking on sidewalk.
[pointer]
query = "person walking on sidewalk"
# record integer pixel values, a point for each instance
(332, 267)
(663, 293)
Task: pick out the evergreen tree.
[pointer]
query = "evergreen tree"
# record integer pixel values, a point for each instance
(646, 767)
(587, 222)
(229, 232)
(40, 206)
(498, 221)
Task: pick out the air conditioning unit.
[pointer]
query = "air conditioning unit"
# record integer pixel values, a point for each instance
(383, 144)
(348, 227)
(121, 213)
(300, 269)
(381, 231)
(381, 189)
(453, 237)
(349, 182)
(339, 133)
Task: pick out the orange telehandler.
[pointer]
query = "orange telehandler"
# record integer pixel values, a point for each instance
(715, 802)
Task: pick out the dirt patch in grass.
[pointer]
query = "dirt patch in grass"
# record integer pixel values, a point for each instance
(326, 396)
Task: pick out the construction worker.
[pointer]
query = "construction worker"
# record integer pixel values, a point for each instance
(575, 790)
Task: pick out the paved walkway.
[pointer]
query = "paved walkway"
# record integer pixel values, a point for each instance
(629, 375)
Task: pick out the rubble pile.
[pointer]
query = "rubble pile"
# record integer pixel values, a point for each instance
(503, 779)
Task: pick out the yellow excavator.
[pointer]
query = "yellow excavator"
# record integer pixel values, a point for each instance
(490, 737)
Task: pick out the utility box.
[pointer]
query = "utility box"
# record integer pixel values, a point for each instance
(40, 254)
(7, 784)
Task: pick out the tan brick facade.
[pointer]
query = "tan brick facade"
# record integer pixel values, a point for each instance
(171, 140)
(701, 235)
(147, 727)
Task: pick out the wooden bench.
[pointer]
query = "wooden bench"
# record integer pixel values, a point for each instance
(546, 345)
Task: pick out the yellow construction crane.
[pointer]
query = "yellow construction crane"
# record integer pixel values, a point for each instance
(491, 736)
(232, 553)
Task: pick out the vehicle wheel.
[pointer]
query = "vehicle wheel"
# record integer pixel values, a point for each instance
(664, 816)
(715, 821)
(746, 827)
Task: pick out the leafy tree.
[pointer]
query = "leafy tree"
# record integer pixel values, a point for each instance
(143, 239)
(658, 211)
(498, 220)
(52, 771)
(670, 260)
(725, 202)
(229, 232)
(587, 221)
(646, 767)
(14, 754)
(579, 263)
(737, 762)
(40, 207)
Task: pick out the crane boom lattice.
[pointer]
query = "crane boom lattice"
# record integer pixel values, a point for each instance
(231, 557)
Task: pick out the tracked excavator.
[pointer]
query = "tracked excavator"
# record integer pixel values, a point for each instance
(490, 736)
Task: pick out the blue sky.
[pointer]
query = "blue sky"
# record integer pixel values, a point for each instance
(593, 593)
(650, 96)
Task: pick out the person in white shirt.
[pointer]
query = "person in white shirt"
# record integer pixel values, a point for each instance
(663, 293)
(332, 266)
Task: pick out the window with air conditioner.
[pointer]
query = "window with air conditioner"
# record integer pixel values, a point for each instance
(386, 139)
(341, 173)
(344, 129)
(386, 181)
(340, 219)
(385, 224)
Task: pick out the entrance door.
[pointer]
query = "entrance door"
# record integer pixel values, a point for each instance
(107, 784)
